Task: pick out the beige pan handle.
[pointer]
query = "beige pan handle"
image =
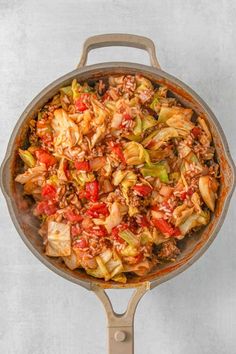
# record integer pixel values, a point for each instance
(119, 39)
(121, 326)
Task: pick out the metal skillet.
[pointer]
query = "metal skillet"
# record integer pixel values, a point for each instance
(120, 326)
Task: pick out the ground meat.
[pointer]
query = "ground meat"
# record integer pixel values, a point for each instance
(135, 200)
(168, 250)
(33, 138)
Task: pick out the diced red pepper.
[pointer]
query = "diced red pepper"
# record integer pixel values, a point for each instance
(92, 191)
(96, 209)
(73, 217)
(190, 192)
(143, 190)
(81, 106)
(177, 232)
(82, 166)
(81, 243)
(115, 232)
(196, 131)
(143, 221)
(127, 116)
(183, 195)
(81, 102)
(99, 231)
(45, 208)
(45, 157)
(165, 227)
(49, 192)
(75, 230)
(118, 151)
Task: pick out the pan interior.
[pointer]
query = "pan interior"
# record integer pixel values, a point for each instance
(20, 207)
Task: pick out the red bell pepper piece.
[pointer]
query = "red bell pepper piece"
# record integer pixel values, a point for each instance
(183, 195)
(99, 231)
(143, 221)
(73, 217)
(75, 230)
(45, 208)
(176, 232)
(96, 209)
(115, 232)
(81, 102)
(143, 190)
(196, 131)
(166, 228)
(92, 191)
(82, 166)
(49, 192)
(118, 151)
(81, 243)
(45, 157)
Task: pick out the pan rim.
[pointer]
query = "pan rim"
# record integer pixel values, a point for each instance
(121, 66)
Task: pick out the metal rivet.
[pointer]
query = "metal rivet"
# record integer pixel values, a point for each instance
(120, 336)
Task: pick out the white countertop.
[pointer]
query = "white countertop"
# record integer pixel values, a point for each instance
(41, 313)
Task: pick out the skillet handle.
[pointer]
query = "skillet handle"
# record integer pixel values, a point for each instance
(119, 39)
(121, 326)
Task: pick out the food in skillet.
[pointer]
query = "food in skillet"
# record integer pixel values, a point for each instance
(119, 173)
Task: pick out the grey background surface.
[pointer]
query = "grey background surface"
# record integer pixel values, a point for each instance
(41, 313)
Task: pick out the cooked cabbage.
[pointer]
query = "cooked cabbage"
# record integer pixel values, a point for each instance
(129, 237)
(168, 112)
(125, 178)
(135, 154)
(100, 112)
(156, 139)
(36, 173)
(156, 170)
(181, 123)
(193, 221)
(73, 261)
(99, 134)
(75, 89)
(115, 216)
(58, 240)
(66, 132)
(181, 214)
(27, 157)
(206, 186)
